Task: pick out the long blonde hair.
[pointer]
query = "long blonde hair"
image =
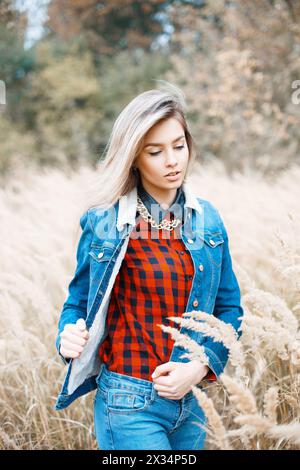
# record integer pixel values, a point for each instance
(115, 174)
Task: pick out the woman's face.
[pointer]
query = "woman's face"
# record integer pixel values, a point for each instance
(165, 151)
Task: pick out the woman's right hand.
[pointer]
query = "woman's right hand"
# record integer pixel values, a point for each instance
(73, 339)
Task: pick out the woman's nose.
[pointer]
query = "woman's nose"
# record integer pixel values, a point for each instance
(171, 158)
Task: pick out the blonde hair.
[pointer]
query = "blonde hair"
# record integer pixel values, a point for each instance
(115, 175)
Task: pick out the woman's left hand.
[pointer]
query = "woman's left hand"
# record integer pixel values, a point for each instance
(174, 379)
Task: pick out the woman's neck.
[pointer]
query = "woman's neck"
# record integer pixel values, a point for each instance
(164, 197)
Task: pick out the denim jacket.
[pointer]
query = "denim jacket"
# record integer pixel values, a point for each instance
(100, 252)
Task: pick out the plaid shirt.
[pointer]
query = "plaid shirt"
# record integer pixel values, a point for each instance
(153, 283)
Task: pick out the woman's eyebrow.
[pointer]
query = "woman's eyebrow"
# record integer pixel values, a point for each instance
(157, 144)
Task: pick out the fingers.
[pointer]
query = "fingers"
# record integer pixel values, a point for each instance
(164, 389)
(165, 395)
(161, 389)
(67, 353)
(73, 338)
(81, 324)
(163, 380)
(66, 344)
(70, 327)
(166, 392)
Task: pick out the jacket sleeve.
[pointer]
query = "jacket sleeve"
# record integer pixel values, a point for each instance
(227, 308)
(75, 306)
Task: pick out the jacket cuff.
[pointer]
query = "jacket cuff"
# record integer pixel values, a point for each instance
(214, 364)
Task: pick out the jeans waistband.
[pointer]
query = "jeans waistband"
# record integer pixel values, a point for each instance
(114, 379)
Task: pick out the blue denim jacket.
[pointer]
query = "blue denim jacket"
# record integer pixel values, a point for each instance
(100, 252)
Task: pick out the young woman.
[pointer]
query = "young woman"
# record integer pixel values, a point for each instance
(149, 250)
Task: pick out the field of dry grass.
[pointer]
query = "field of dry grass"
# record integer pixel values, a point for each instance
(39, 230)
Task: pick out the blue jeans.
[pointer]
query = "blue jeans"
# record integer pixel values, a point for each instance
(129, 414)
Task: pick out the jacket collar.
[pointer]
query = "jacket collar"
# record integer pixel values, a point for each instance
(128, 205)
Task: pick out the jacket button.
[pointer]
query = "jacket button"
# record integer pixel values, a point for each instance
(190, 240)
(212, 242)
(195, 303)
(100, 254)
(201, 267)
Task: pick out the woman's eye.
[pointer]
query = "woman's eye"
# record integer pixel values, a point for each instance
(177, 148)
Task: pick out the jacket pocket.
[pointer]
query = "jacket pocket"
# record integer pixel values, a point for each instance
(214, 242)
(103, 252)
(100, 257)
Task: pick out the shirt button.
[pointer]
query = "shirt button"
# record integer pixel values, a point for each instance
(212, 242)
(100, 254)
(195, 303)
(190, 240)
(182, 252)
(201, 267)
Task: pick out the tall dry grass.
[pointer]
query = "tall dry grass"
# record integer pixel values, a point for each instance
(255, 405)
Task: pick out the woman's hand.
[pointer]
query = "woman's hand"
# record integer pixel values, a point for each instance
(73, 339)
(179, 378)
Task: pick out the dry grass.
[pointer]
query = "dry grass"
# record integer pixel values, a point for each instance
(254, 406)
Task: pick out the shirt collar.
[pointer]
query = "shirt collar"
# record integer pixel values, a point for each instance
(155, 209)
(128, 205)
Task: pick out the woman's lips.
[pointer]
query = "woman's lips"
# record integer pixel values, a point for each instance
(173, 177)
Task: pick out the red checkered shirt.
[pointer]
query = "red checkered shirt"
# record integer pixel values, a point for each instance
(153, 283)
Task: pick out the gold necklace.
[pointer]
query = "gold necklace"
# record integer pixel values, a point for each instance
(166, 224)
